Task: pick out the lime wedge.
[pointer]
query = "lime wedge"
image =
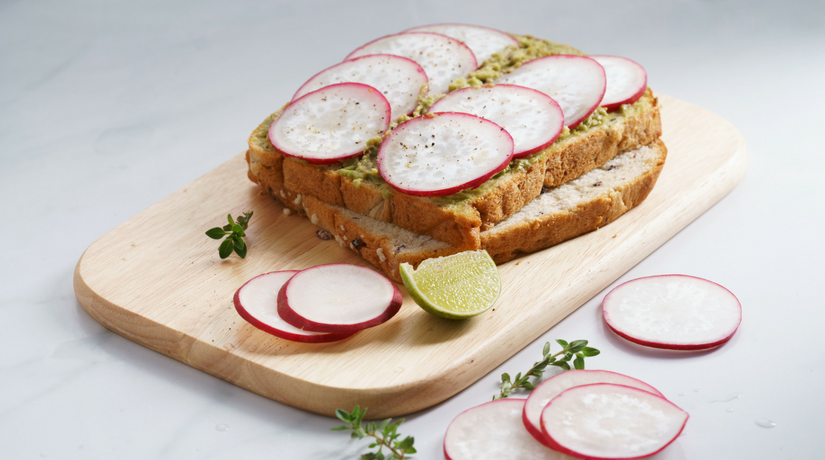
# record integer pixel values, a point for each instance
(455, 287)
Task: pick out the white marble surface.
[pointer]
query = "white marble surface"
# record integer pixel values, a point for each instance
(107, 107)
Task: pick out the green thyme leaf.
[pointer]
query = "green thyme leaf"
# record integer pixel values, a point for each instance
(578, 363)
(215, 233)
(407, 443)
(359, 415)
(577, 346)
(226, 248)
(241, 252)
(238, 242)
(587, 351)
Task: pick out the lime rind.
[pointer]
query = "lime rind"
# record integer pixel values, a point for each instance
(459, 286)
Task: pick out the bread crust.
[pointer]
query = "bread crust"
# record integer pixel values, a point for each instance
(459, 225)
(376, 245)
(594, 148)
(552, 229)
(378, 242)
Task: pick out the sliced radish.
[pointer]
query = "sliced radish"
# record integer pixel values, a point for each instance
(677, 312)
(626, 81)
(443, 58)
(483, 41)
(609, 421)
(443, 153)
(577, 83)
(257, 302)
(399, 79)
(533, 118)
(331, 124)
(493, 431)
(338, 298)
(553, 386)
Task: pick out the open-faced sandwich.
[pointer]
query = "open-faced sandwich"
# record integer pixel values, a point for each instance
(450, 137)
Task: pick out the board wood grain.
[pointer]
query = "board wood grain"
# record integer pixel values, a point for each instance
(171, 292)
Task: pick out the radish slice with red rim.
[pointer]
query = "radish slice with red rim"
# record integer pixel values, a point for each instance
(443, 58)
(609, 421)
(626, 81)
(482, 41)
(338, 298)
(493, 431)
(533, 118)
(443, 153)
(577, 83)
(555, 385)
(399, 79)
(257, 302)
(331, 124)
(677, 312)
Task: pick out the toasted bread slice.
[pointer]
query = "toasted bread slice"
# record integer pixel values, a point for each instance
(581, 205)
(458, 220)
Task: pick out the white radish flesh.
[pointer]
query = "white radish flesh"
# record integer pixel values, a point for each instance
(626, 81)
(257, 302)
(677, 312)
(331, 124)
(555, 385)
(533, 118)
(577, 83)
(338, 298)
(483, 41)
(443, 153)
(399, 79)
(443, 58)
(608, 421)
(494, 431)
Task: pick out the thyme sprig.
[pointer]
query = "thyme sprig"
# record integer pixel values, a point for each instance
(385, 434)
(576, 350)
(234, 232)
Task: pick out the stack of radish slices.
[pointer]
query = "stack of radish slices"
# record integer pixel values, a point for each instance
(584, 414)
(325, 303)
(337, 111)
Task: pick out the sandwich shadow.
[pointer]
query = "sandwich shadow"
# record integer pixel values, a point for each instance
(425, 329)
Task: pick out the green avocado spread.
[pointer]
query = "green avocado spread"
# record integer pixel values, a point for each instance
(364, 168)
(511, 58)
(260, 136)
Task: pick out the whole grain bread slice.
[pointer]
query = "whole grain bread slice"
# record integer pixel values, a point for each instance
(586, 203)
(459, 219)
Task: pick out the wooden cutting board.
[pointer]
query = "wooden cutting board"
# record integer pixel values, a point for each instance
(170, 292)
